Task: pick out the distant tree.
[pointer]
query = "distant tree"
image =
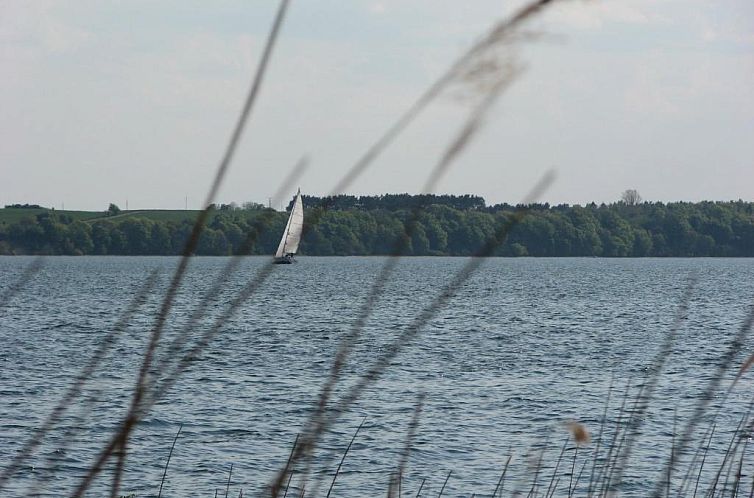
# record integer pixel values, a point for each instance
(101, 237)
(252, 206)
(23, 206)
(631, 197)
(377, 224)
(80, 235)
(137, 235)
(112, 210)
(159, 240)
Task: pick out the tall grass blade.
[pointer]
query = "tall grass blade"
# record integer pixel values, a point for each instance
(410, 435)
(704, 457)
(84, 375)
(647, 389)
(345, 453)
(723, 365)
(227, 486)
(557, 466)
(135, 410)
(739, 473)
(170, 454)
(599, 438)
(442, 489)
(20, 284)
(421, 486)
(501, 481)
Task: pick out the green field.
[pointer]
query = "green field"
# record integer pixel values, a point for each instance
(176, 215)
(13, 215)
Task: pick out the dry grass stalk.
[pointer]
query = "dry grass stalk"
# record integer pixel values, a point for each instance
(732, 446)
(672, 452)
(345, 453)
(288, 465)
(739, 473)
(444, 484)
(77, 386)
(173, 351)
(647, 389)
(578, 478)
(410, 435)
(460, 71)
(537, 469)
(724, 364)
(579, 433)
(405, 337)
(135, 411)
(603, 421)
(704, 457)
(501, 482)
(573, 469)
(165, 472)
(484, 67)
(421, 486)
(744, 367)
(20, 284)
(692, 465)
(606, 470)
(120, 455)
(227, 486)
(557, 466)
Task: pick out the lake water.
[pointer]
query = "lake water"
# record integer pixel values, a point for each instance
(522, 347)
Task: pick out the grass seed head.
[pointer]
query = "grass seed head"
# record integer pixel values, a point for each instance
(579, 432)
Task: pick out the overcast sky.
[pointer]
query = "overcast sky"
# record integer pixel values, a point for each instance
(108, 101)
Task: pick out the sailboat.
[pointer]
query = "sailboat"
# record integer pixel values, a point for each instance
(292, 234)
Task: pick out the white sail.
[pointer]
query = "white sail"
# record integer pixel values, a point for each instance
(294, 227)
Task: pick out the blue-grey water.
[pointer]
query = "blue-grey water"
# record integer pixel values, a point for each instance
(521, 348)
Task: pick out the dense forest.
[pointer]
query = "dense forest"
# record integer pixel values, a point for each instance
(442, 225)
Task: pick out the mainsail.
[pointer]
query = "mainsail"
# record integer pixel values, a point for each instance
(292, 234)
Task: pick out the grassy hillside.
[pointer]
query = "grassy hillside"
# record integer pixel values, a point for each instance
(176, 215)
(13, 215)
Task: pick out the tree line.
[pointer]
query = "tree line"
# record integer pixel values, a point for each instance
(620, 229)
(391, 202)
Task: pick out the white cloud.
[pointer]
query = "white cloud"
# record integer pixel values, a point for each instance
(377, 8)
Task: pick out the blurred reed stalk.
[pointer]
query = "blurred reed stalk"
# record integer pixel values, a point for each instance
(395, 481)
(165, 472)
(478, 67)
(345, 453)
(20, 284)
(135, 411)
(76, 387)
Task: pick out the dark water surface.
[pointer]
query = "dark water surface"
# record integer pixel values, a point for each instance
(524, 346)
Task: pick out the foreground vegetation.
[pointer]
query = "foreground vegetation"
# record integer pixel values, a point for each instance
(446, 225)
(438, 228)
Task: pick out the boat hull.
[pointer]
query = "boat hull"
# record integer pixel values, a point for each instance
(285, 260)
